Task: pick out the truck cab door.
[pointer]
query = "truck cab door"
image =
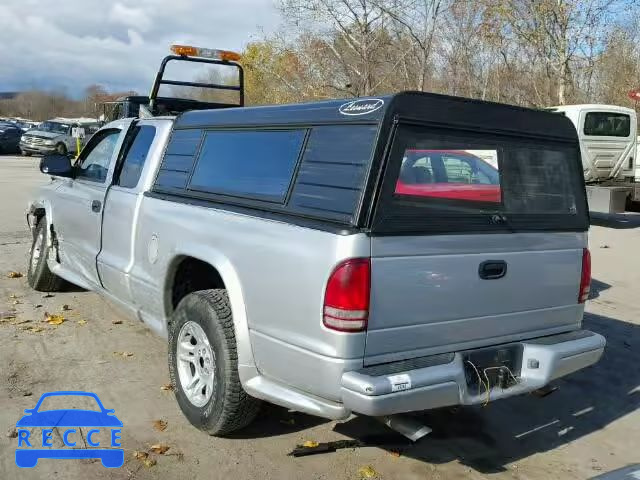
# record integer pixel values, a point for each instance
(79, 203)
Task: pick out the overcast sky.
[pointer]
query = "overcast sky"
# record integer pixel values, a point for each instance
(70, 44)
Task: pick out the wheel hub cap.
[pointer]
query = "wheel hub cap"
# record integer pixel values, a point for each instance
(196, 364)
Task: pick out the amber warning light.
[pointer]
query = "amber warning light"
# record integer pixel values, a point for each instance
(190, 51)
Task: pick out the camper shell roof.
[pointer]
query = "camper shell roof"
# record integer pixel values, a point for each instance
(420, 107)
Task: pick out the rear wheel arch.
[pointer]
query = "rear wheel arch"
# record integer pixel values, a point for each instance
(222, 275)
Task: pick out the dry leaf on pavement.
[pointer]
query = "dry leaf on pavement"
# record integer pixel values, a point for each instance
(160, 425)
(367, 472)
(159, 448)
(123, 354)
(13, 274)
(117, 322)
(167, 387)
(66, 308)
(310, 444)
(53, 319)
(140, 455)
(82, 322)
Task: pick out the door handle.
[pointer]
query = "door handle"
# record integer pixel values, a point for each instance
(492, 269)
(96, 206)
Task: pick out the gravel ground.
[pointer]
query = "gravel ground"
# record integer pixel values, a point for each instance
(589, 426)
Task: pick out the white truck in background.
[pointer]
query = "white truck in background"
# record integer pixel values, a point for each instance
(609, 146)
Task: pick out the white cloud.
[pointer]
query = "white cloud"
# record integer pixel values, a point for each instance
(135, 18)
(74, 43)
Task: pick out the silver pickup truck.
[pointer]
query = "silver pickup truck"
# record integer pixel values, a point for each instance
(339, 257)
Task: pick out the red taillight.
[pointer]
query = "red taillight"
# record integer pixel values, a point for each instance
(346, 300)
(585, 280)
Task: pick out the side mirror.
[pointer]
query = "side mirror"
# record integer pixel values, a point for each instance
(56, 165)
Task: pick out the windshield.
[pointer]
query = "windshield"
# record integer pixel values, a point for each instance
(450, 181)
(54, 127)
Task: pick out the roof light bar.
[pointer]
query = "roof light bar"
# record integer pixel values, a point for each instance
(212, 53)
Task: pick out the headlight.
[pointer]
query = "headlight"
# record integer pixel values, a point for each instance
(49, 142)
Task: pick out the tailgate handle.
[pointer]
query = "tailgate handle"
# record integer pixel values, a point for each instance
(492, 269)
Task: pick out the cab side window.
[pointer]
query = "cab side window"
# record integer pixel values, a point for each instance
(135, 154)
(96, 157)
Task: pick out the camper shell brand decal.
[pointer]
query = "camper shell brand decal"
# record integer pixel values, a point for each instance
(361, 107)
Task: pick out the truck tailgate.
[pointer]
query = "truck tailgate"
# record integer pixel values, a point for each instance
(428, 297)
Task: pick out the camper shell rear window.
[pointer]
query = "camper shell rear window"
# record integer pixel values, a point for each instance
(449, 181)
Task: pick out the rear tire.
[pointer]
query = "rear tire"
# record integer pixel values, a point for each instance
(203, 323)
(39, 276)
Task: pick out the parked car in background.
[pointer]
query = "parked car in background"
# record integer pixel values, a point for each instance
(9, 138)
(448, 174)
(56, 136)
(607, 136)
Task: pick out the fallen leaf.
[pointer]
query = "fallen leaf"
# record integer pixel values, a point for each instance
(66, 308)
(149, 462)
(394, 453)
(27, 393)
(140, 455)
(310, 444)
(367, 472)
(12, 433)
(123, 354)
(53, 319)
(38, 305)
(13, 274)
(159, 448)
(82, 322)
(167, 387)
(160, 425)
(117, 322)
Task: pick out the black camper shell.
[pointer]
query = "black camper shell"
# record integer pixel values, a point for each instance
(335, 164)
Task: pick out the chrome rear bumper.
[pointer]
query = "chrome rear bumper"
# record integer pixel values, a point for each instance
(387, 389)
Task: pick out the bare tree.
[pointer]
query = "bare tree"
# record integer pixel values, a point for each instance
(558, 32)
(413, 23)
(352, 32)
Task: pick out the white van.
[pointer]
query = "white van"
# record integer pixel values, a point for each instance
(608, 140)
(638, 163)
